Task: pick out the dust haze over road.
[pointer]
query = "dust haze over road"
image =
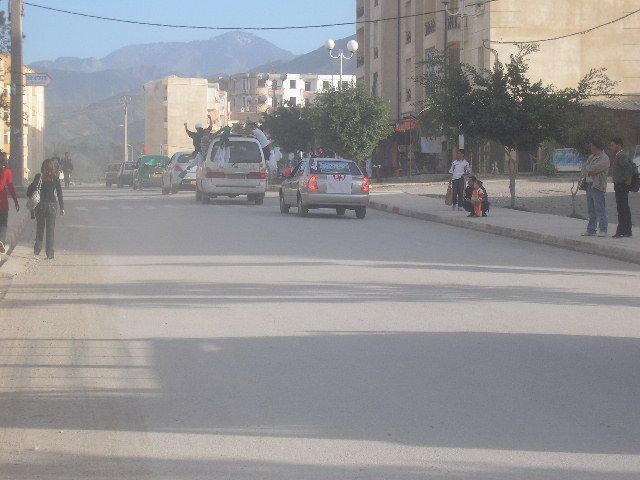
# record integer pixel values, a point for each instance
(175, 340)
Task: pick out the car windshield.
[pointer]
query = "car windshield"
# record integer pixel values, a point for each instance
(129, 165)
(242, 152)
(185, 158)
(333, 167)
(159, 160)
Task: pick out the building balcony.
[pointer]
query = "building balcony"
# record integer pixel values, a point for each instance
(430, 27)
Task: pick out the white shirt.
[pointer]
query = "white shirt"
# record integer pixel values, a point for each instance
(261, 137)
(459, 168)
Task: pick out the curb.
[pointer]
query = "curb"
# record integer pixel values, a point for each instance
(617, 253)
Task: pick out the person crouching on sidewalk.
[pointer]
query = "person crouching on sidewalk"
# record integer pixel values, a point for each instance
(468, 204)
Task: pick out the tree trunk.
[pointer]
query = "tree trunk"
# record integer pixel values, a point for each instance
(513, 172)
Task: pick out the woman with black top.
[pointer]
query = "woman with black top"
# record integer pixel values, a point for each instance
(47, 210)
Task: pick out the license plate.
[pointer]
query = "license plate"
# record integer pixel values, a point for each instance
(156, 175)
(193, 182)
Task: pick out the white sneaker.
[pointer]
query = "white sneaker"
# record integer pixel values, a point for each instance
(602, 234)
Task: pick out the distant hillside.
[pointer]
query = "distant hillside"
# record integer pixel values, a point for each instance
(232, 52)
(317, 61)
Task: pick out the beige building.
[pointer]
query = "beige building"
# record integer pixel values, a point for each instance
(390, 51)
(34, 124)
(172, 101)
(252, 94)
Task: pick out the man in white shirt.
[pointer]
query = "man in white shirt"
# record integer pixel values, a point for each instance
(459, 168)
(262, 139)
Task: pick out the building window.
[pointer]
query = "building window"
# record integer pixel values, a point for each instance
(409, 95)
(430, 27)
(293, 101)
(374, 85)
(407, 37)
(376, 3)
(262, 82)
(307, 102)
(292, 84)
(307, 86)
(326, 85)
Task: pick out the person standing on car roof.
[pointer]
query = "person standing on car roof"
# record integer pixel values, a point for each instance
(198, 134)
(265, 144)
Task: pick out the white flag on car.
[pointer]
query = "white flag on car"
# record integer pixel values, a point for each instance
(339, 183)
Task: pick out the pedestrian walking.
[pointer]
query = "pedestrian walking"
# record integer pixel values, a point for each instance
(459, 168)
(47, 210)
(621, 173)
(594, 171)
(67, 168)
(198, 134)
(6, 185)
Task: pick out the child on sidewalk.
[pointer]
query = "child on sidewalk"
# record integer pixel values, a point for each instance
(478, 198)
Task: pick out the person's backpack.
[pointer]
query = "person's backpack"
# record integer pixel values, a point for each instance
(635, 178)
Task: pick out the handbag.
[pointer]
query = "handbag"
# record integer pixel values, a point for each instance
(448, 198)
(34, 199)
(582, 183)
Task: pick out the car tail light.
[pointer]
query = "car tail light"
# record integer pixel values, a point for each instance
(365, 184)
(257, 175)
(313, 183)
(177, 168)
(215, 174)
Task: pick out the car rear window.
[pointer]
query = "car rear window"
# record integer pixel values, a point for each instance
(186, 158)
(241, 152)
(334, 166)
(130, 165)
(114, 167)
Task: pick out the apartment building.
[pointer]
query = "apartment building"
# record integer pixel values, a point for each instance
(172, 101)
(392, 50)
(253, 94)
(34, 120)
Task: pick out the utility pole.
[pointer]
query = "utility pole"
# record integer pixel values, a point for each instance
(16, 105)
(124, 101)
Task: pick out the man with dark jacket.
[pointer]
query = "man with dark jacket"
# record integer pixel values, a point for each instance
(621, 173)
(198, 134)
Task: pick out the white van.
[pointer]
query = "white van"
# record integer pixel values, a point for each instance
(240, 171)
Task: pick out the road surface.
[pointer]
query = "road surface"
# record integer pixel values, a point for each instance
(174, 340)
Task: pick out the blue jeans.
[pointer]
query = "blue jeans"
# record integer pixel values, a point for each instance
(597, 210)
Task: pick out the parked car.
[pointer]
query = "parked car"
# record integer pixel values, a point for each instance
(111, 174)
(179, 173)
(325, 183)
(238, 169)
(125, 176)
(148, 171)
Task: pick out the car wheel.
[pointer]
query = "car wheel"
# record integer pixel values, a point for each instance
(259, 199)
(302, 210)
(341, 211)
(284, 208)
(361, 212)
(251, 198)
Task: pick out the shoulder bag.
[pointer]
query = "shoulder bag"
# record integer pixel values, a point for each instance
(34, 199)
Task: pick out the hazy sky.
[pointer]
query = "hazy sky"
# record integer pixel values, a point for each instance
(50, 35)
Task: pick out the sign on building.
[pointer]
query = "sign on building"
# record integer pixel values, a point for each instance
(38, 79)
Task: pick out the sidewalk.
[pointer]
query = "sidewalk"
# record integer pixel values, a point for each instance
(554, 230)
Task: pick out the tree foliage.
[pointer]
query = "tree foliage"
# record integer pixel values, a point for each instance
(290, 128)
(503, 105)
(350, 121)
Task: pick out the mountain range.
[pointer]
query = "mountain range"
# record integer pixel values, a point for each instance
(82, 107)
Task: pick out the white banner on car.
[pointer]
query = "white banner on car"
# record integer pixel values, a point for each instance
(339, 183)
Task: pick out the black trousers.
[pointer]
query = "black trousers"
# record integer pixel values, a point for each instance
(468, 206)
(624, 212)
(46, 213)
(457, 186)
(4, 220)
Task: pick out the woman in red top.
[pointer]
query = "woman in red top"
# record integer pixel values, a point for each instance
(6, 183)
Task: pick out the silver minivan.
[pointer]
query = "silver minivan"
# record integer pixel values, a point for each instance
(238, 169)
(325, 183)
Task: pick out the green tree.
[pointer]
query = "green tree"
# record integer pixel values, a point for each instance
(585, 124)
(290, 128)
(503, 105)
(350, 121)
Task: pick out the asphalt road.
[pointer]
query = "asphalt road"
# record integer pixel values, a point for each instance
(175, 340)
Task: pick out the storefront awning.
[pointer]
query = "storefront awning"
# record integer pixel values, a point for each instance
(406, 125)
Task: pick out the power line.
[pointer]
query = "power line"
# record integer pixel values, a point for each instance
(584, 32)
(201, 27)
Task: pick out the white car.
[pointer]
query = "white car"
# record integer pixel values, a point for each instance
(174, 177)
(237, 168)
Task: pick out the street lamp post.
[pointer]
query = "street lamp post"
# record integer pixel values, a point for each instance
(462, 13)
(124, 101)
(352, 46)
